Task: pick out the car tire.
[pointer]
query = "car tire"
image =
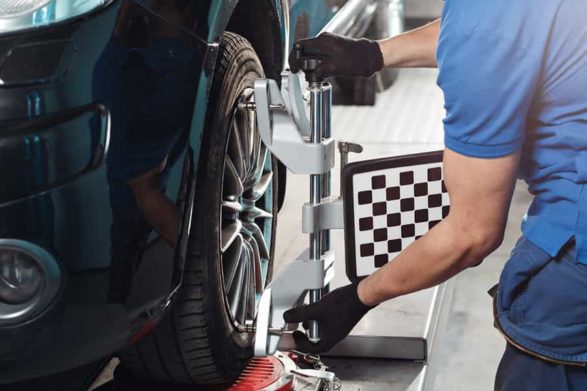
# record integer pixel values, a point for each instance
(199, 339)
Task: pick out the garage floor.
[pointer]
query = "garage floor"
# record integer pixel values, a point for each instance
(407, 119)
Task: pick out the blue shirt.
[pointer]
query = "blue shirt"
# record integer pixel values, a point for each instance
(514, 76)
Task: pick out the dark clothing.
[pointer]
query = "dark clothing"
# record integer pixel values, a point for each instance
(519, 371)
(541, 302)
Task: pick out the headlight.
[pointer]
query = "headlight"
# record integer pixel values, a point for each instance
(13, 8)
(20, 277)
(30, 279)
(23, 14)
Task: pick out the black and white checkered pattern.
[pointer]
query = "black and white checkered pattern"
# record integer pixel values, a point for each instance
(392, 208)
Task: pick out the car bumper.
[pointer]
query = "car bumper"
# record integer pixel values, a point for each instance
(71, 335)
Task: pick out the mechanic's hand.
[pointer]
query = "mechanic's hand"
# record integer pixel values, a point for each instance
(338, 56)
(337, 313)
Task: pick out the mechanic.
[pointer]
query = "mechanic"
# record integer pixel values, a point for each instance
(514, 77)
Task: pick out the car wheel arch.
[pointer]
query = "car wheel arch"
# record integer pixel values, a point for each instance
(260, 22)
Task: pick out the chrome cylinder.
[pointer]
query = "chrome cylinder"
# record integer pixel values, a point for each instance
(326, 132)
(320, 185)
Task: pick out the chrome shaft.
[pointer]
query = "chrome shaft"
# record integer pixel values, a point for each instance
(326, 133)
(315, 195)
(320, 185)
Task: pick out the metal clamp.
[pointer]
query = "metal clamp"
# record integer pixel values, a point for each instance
(329, 214)
(284, 127)
(284, 292)
(305, 147)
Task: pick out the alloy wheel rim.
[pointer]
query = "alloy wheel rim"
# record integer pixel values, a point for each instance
(246, 214)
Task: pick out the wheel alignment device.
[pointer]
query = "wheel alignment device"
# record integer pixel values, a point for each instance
(305, 147)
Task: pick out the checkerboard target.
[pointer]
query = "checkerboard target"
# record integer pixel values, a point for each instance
(390, 203)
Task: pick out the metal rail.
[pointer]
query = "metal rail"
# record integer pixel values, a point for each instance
(353, 19)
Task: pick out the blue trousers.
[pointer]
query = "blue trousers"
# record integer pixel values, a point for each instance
(519, 371)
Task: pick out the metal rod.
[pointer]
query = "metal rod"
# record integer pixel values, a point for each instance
(326, 134)
(344, 160)
(353, 19)
(316, 120)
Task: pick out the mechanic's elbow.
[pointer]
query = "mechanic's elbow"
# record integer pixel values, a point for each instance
(480, 244)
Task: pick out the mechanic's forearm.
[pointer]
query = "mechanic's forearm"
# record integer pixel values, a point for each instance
(439, 255)
(480, 193)
(414, 49)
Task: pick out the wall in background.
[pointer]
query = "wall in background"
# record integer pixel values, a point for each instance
(423, 9)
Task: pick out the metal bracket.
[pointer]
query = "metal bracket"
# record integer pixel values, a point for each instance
(291, 90)
(284, 292)
(328, 214)
(284, 126)
(304, 147)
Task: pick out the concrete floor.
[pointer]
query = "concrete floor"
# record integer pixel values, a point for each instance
(407, 119)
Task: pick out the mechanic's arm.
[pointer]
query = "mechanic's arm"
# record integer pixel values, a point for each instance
(414, 49)
(480, 192)
(343, 56)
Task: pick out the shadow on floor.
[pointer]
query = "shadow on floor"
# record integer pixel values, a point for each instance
(124, 381)
(76, 379)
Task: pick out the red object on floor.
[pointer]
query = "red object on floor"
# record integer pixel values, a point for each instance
(261, 373)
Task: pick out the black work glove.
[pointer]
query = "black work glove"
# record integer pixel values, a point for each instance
(338, 56)
(337, 313)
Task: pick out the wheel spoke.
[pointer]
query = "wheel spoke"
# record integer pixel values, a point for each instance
(243, 127)
(252, 296)
(231, 260)
(260, 188)
(258, 277)
(259, 163)
(254, 139)
(253, 212)
(245, 282)
(255, 231)
(255, 142)
(241, 313)
(233, 185)
(236, 152)
(231, 207)
(230, 233)
(236, 291)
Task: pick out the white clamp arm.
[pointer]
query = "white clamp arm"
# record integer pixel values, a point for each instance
(284, 292)
(284, 126)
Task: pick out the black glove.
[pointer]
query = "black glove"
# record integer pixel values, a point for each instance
(337, 313)
(338, 56)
